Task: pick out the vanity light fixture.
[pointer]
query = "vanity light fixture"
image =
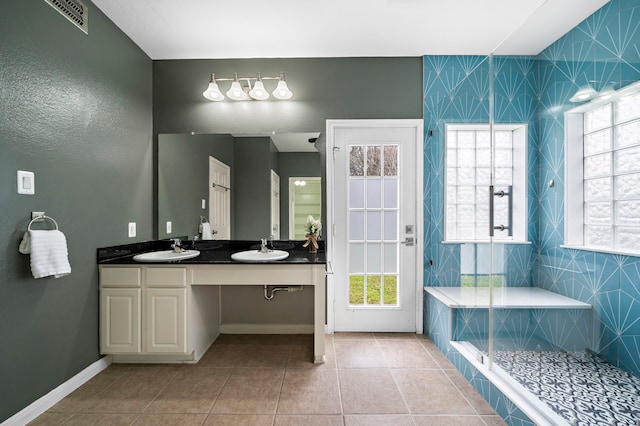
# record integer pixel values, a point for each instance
(242, 89)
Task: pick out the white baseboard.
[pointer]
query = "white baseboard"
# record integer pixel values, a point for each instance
(39, 406)
(266, 328)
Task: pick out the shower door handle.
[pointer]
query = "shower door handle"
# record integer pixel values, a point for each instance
(407, 241)
(501, 227)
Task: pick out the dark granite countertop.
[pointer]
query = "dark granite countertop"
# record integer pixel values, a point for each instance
(211, 252)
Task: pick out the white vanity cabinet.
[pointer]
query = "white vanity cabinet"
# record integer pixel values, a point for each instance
(144, 312)
(166, 310)
(171, 312)
(120, 309)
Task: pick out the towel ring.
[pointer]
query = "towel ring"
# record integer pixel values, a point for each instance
(42, 217)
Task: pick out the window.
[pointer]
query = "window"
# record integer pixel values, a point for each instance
(468, 179)
(602, 158)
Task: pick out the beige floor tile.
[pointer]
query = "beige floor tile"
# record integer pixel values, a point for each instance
(371, 390)
(85, 393)
(302, 355)
(266, 355)
(165, 419)
(308, 420)
(101, 419)
(223, 355)
(358, 354)
(406, 353)
(133, 392)
(430, 392)
(238, 420)
(378, 420)
(250, 391)
(469, 392)
(448, 420)
(395, 336)
(193, 390)
(309, 391)
(50, 419)
(438, 356)
(342, 335)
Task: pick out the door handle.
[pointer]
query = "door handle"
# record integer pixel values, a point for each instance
(407, 241)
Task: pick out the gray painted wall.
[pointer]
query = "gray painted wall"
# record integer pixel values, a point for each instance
(323, 88)
(76, 110)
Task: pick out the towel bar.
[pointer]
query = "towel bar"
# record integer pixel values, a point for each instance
(42, 217)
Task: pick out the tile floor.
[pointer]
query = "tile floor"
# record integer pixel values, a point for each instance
(368, 379)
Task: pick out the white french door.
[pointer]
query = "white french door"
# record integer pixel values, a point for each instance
(375, 168)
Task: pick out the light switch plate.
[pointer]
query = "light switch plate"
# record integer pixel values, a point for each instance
(26, 182)
(169, 227)
(132, 229)
(204, 204)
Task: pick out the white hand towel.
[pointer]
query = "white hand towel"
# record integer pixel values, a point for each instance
(49, 255)
(206, 231)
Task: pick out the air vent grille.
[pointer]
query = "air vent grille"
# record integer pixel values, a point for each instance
(74, 11)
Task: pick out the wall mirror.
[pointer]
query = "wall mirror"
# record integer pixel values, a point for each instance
(193, 184)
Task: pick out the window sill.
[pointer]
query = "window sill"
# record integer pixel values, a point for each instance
(486, 242)
(601, 250)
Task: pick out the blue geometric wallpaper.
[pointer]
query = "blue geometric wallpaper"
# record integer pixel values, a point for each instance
(602, 51)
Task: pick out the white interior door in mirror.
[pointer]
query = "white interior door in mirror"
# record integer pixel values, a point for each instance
(219, 199)
(275, 205)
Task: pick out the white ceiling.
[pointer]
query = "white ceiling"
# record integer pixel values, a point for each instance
(207, 29)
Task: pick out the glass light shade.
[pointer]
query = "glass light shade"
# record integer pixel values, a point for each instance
(282, 91)
(258, 92)
(213, 92)
(236, 93)
(583, 95)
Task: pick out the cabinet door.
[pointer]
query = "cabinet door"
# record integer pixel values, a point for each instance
(166, 321)
(120, 320)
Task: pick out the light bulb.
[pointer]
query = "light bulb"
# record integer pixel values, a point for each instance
(282, 91)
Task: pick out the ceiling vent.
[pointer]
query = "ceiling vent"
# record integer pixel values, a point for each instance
(74, 11)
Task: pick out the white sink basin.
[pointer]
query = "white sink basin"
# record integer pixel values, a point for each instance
(257, 256)
(165, 256)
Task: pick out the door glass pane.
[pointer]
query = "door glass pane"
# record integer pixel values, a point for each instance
(391, 160)
(356, 258)
(374, 161)
(374, 258)
(374, 193)
(390, 258)
(356, 193)
(356, 161)
(391, 193)
(390, 290)
(391, 226)
(373, 289)
(356, 225)
(374, 225)
(356, 290)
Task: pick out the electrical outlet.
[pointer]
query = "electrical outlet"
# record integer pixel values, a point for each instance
(132, 229)
(204, 204)
(169, 227)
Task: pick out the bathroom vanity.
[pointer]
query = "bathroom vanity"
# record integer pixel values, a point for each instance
(170, 312)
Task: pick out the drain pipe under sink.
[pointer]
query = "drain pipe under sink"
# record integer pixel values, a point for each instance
(269, 293)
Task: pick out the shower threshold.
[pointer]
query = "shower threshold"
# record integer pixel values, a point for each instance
(561, 388)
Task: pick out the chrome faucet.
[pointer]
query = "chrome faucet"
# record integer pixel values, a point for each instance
(263, 246)
(177, 245)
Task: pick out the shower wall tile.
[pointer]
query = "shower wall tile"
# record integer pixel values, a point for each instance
(603, 50)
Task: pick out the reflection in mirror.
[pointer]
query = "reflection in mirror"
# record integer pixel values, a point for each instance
(305, 194)
(185, 182)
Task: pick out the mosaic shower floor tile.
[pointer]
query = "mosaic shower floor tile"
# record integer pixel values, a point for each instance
(578, 386)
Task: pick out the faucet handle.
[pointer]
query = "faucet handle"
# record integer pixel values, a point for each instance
(177, 245)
